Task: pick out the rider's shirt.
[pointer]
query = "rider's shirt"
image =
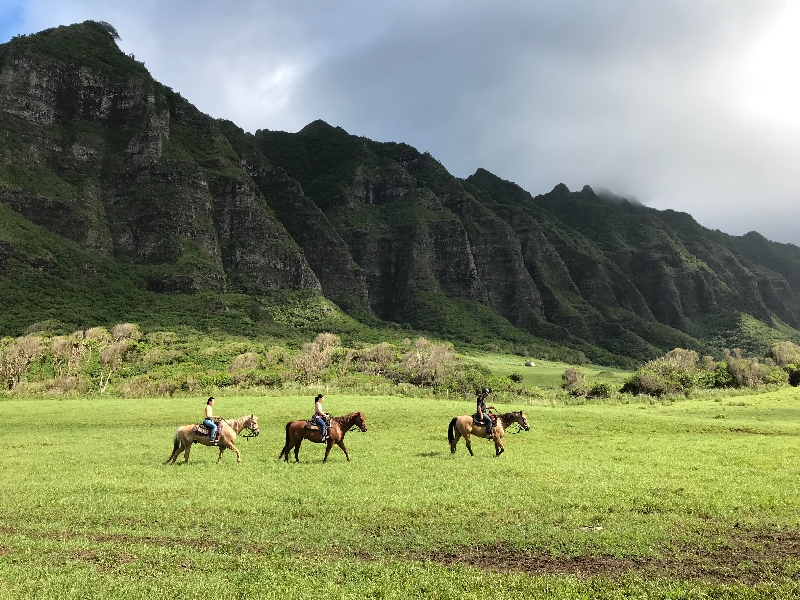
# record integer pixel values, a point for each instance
(481, 404)
(209, 412)
(318, 412)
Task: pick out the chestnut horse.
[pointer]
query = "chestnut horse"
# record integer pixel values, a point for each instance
(228, 430)
(296, 432)
(462, 426)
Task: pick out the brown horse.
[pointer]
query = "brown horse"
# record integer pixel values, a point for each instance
(186, 436)
(296, 432)
(463, 426)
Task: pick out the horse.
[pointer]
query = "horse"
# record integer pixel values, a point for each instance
(185, 436)
(296, 432)
(463, 426)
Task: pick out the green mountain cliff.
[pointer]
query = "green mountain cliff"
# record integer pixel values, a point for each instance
(119, 198)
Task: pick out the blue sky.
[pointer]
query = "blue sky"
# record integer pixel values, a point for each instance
(683, 105)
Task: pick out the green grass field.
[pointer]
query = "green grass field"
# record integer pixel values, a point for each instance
(691, 499)
(546, 374)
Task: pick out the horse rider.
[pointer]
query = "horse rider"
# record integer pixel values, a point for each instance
(319, 417)
(209, 420)
(483, 415)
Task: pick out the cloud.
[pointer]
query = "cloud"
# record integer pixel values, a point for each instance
(664, 101)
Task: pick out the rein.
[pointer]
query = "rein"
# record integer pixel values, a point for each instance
(511, 424)
(242, 435)
(353, 427)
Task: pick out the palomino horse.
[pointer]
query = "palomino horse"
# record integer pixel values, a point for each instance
(296, 432)
(463, 426)
(185, 437)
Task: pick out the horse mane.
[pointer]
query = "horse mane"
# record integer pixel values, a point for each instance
(509, 417)
(239, 422)
(346, 417)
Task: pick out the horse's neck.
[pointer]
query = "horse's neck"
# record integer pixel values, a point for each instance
(238, 424)
(346, 421)
(507, 419)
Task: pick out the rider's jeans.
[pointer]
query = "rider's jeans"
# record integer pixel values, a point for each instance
(321, 424)
(212, 428)
(488, 422)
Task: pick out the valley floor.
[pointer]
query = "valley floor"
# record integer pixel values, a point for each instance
(690, 499)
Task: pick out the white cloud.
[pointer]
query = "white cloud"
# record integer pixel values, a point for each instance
(685, 105)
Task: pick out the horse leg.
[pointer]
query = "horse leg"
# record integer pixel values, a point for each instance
(328, 446)
(296, 451)
(468, 442)
(340, 443)
(456, 437)
(177, 452)
(238, 454)
(221, 450)
(186, 448)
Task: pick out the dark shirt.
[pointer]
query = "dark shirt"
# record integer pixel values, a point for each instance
(481, 404)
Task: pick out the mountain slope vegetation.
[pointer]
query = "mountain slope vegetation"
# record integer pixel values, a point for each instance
(120, 201)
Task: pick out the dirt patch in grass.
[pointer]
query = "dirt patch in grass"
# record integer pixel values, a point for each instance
(746, 557)
(738, 555)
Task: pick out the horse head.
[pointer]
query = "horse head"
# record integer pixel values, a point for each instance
(522, 420)
(361, 422)
(252, 425)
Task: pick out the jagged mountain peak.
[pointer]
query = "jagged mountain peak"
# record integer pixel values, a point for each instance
(99, 153)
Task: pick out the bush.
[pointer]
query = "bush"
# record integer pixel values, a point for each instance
(598, 389)
(515, 377)
(126, 331)
(674, 373)
(244, 362)
(793, 372)
(573, 381)
(784, 354)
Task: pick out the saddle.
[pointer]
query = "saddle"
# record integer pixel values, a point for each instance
(313, 426)
(201, 429)
(478, 423)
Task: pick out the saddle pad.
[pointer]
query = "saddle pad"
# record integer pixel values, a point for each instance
(201, 429)
(311, 425)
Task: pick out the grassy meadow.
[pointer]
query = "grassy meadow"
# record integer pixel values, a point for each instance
(689, 499)
(545, 374)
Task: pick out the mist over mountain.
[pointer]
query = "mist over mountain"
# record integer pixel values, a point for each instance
(116, 193)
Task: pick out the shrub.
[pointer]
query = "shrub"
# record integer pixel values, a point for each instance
(16, 358)
(598, 389)
(745, 372)
(126, 331)
(315, 356)
(161, 338)
(98, 335)
(674, 373)
(793, 372)
(244, 362)
(784, 354)
(573, 378)
(377, 360)
(515, 377)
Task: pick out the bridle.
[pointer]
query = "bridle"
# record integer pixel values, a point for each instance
(251, 433)
(519, 425)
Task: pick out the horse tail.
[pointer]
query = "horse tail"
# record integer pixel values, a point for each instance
(450, 431)
(286, 445)
(175, 444)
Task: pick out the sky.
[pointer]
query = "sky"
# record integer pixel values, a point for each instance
(692, 105)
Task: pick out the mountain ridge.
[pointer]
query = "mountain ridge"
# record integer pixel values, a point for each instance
(98, 152)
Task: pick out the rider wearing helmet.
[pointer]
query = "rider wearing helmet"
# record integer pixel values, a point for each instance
(482, 415)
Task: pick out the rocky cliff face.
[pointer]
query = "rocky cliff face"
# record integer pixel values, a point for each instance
(104, 155)
(96, 151)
